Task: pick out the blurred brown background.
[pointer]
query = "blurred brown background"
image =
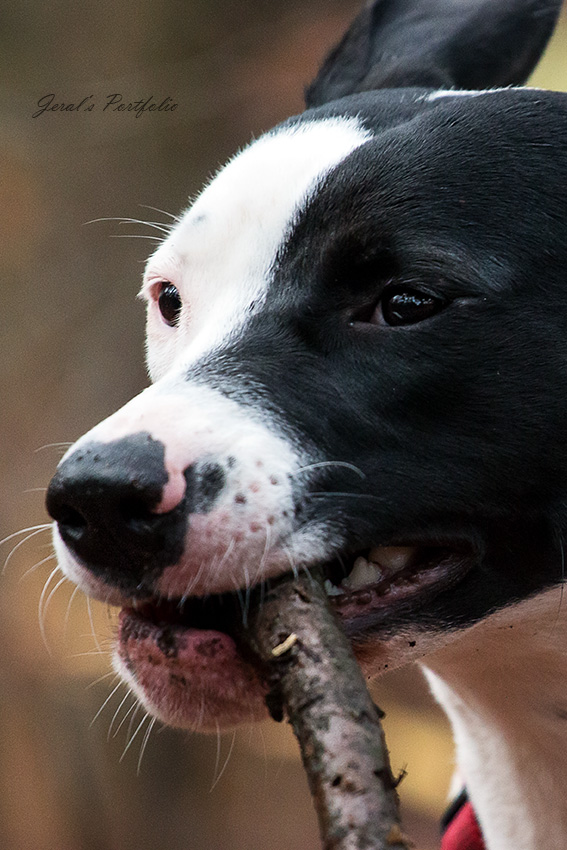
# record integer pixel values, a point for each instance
(72, 352)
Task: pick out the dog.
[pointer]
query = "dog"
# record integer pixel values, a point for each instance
(357, 341)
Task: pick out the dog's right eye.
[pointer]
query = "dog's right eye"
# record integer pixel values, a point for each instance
(407, 306)
(169, 303)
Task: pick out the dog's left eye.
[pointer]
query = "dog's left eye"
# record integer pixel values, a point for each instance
(406, 306)
(169, 303)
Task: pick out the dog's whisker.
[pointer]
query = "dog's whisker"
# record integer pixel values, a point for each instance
(306, 570)
(216, 570)
(240, 597)
(133, 738)
(158, 225)
(41, 608)
(18, 546)
(322, 494)
(329, 463)
(41, 527)
(139, 708)
(258, 575)
(128, 693)
(175, 218)
(145, 740)
(68, 611)
(91, 621)
(62, 445)
(292, 564)
(199, 722)
(248, 588)
(203, 565)
(218, 750)
(213, 569)
(155, 239)
(226, 761)
(36, 566)
(99, 679)
(52, 593)
(105, 703)
(130, 715)
(95, 653)
(267, 548)
(30, 532)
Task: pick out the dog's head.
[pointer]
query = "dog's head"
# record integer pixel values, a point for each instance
(357, 341)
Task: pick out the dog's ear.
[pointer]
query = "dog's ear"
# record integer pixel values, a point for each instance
(468, 44)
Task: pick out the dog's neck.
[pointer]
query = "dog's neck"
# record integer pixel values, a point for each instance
(503, 686)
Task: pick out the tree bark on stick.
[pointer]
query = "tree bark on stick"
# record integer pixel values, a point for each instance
(314, 678)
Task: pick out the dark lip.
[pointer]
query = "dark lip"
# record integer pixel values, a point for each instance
(376, 608)
(370, 610)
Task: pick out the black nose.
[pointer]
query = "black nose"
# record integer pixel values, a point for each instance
(103, 498)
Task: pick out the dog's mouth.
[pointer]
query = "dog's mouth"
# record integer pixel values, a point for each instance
(185, 658)
(374, 584)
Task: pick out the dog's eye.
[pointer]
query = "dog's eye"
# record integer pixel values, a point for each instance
(407, 306)
(169, 303)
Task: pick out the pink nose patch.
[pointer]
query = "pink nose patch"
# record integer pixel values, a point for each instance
(173, 493)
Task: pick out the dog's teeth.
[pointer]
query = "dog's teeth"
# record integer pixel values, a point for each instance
(362, 573)
(393, 558)
(332, 589)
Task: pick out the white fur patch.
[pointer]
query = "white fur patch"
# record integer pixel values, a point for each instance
(220, 254)
(437, 95)
(503, 685)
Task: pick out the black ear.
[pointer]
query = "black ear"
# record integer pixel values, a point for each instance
(468, 44)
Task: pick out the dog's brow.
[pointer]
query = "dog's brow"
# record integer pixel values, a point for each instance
(166, 266)
(223, 264)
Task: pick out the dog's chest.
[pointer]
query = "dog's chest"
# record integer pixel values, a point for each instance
(504, 689)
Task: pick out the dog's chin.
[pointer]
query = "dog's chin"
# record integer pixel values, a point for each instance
(190, 678)
(187, 665)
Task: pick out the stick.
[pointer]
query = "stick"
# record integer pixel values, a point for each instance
(313, 676)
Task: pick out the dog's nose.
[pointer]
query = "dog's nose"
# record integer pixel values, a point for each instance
(119, 511)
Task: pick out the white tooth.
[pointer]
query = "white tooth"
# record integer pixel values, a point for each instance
(332, 589)
(394, 558)
(362, 573)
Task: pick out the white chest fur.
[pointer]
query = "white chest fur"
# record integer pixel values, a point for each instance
(503, 686)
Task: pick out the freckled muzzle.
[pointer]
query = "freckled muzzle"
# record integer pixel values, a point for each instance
(122, 514)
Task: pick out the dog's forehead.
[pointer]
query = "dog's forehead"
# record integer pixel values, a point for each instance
(265, 181)
(223, 248)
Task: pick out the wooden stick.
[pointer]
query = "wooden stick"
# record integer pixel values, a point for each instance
(313, 676)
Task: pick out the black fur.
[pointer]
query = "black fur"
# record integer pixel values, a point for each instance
(436, 43)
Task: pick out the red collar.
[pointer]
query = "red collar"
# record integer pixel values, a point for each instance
(462, 831)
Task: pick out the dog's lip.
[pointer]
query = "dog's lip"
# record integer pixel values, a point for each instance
(398, 592)
(401, 595)
(189, 677)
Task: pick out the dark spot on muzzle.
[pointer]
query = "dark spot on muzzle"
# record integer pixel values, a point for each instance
(205, 481)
